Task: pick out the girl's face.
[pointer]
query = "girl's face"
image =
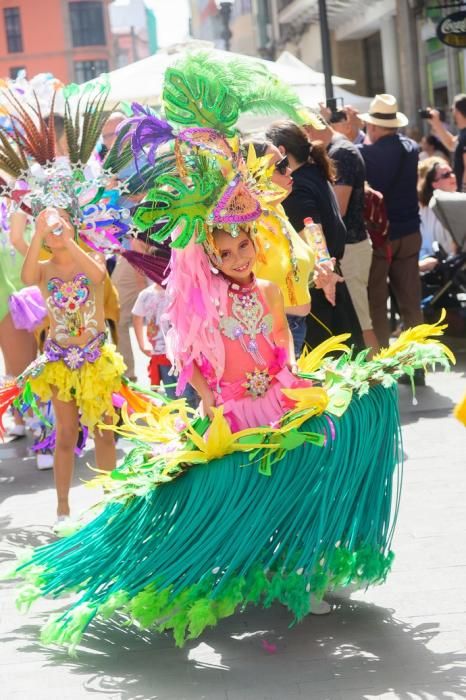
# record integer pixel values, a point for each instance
(53, 242)
(444, 178)
(282, 171)
(238, 255)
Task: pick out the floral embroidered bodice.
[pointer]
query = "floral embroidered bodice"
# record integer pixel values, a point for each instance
(74, 316)
(247, 337)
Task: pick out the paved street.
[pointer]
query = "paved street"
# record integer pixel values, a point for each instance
(405, 639)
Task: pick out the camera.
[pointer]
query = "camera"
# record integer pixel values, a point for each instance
(335, 105)
(426, 113)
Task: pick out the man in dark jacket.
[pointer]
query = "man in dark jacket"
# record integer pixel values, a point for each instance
(391, 168)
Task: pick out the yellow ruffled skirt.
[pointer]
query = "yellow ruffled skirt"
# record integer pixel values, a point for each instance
(90, 387)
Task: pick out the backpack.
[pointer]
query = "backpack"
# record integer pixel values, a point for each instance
(375, 217)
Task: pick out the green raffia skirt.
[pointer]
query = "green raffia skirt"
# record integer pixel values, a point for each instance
(223, 535)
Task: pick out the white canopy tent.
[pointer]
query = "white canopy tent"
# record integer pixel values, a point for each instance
(142, 81)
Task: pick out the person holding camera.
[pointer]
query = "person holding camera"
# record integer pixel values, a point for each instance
(455, 143)
(391, 168)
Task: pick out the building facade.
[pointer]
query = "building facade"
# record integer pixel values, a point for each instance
(134, 31)
(249, 25)
(384, 45)
(69, 38)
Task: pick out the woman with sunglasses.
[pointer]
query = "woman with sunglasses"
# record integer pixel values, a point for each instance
(312, 196)
(292, 267)
(434, 174)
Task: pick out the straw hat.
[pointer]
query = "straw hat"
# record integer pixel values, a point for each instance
(383, 111)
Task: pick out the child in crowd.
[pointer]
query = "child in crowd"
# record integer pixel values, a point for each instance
(148, 310)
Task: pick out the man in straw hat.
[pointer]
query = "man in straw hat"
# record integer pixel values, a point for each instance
(391, 168)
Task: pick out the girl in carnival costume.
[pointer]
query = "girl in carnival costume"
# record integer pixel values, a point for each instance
(201, 520)
(79, 370)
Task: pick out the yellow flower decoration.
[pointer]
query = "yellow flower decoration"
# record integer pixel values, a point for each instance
(310, 360)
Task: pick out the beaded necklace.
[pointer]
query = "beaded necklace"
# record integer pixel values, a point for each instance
(247, 319)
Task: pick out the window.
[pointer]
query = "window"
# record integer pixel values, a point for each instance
(14, 70)
(87, 70)
(87, 23)
(14, 39)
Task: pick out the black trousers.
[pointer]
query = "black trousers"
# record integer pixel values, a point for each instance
(340, 318)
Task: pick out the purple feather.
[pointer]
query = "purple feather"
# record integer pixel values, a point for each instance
(145, 129)
(153, 265)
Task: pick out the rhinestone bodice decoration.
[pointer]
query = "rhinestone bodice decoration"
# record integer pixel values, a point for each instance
(247, 320)
(72, 307)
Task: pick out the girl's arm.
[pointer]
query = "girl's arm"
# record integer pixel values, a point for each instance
(138, 325)
(281, 331)
(18, 222)
(31, 271)
(91, 264)
(199, 383)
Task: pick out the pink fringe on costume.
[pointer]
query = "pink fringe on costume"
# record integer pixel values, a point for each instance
(195, 296)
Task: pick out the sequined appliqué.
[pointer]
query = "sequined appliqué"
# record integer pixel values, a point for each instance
(257, 383)
(71, 307)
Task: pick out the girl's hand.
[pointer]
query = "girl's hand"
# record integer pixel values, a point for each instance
(42, 228)
(326, 279)
(207, 403)
(293, 367)
(147, 350)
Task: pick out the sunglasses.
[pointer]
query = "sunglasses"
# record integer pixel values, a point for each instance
(444, 176)
(281, 166)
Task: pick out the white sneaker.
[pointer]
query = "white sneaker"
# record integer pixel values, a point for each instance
(319, 607)
(44, 461)
(18, 430)
(61, 524)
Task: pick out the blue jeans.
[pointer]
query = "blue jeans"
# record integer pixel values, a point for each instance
(297, 326)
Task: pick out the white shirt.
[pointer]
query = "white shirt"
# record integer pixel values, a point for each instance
(151, 304)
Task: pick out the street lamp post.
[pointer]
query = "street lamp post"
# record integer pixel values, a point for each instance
(326, 49)
(224, 9)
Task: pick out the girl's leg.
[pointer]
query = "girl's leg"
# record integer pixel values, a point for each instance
(105, 450)
(19, 347)
(67, 427)
(19, 350)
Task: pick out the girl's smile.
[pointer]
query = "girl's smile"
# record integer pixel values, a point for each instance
(238, 255)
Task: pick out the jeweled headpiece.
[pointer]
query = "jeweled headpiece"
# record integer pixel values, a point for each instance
(206, 184)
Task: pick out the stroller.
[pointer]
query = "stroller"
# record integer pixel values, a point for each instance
(445, 286)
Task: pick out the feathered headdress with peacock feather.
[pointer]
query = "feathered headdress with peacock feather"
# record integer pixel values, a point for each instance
(35, 177)
(206, 184)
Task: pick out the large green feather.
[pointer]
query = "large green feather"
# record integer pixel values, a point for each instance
(202, 90)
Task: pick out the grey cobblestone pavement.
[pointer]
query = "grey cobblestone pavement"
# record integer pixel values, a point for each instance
(405, 639)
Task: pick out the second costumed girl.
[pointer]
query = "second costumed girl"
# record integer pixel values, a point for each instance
(287, 488)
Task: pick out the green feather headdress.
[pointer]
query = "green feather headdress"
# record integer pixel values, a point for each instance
(210, 184)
